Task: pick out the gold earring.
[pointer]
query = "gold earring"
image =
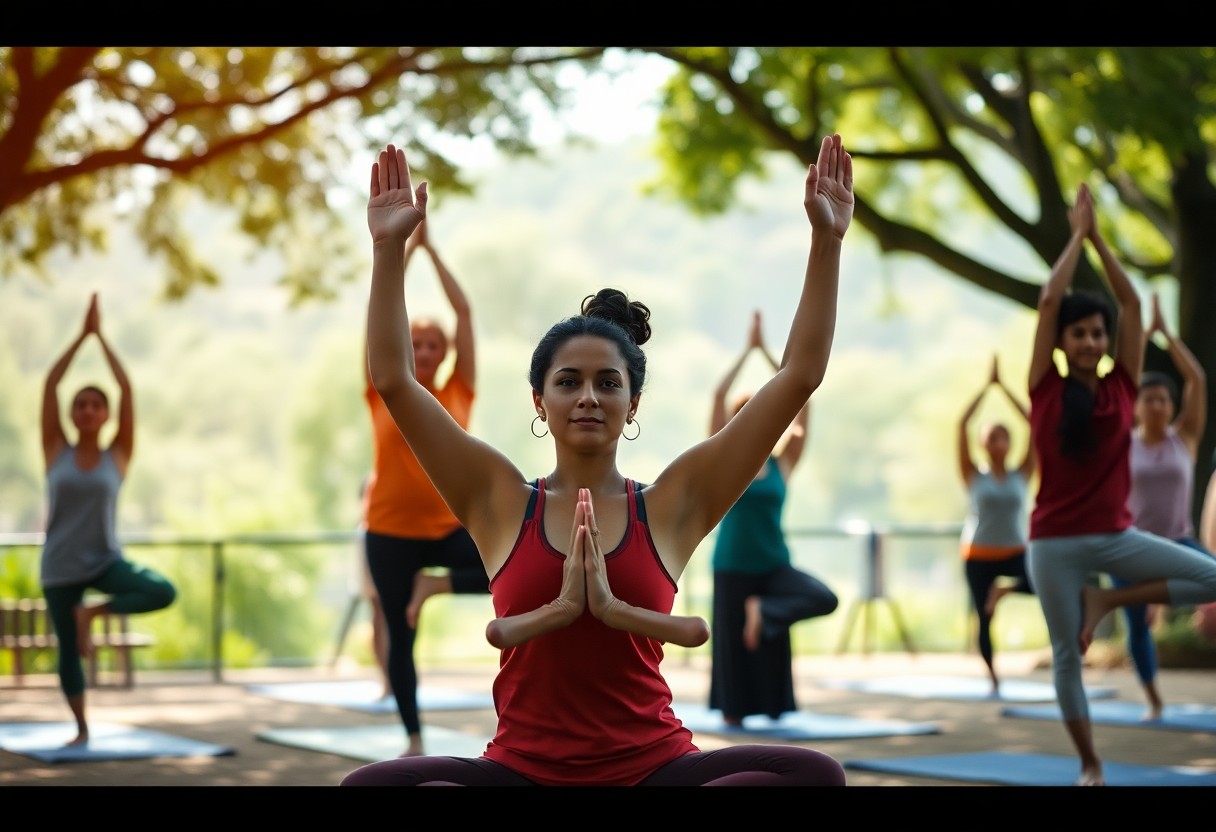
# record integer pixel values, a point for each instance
(633, 421)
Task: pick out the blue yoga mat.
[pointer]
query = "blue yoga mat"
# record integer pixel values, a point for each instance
(957, 687)
(1173, 717)
(107, 741)
(372, 743)
(1015, 769)
(364, 695)
(799, 725)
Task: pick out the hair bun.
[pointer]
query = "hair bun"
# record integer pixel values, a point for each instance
(614, 305)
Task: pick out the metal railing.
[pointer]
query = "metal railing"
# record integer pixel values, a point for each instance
(860, 562)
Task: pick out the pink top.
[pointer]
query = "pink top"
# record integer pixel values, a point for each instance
(1163, 478)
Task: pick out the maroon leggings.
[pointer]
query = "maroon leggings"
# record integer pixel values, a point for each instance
(738, 765)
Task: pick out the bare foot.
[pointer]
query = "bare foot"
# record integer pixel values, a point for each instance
(733, 721)
(994, 595)
(82, 738)
(414, 749)
(424, 587)
(84, 636)
(752, 622)
(1092, 613)
(1155, 707)
(1091, 776)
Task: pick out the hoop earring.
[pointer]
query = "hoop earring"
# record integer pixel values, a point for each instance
(533, 427)
(633, 421)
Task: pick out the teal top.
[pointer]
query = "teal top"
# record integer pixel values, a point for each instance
(750, 538)
(80, 539)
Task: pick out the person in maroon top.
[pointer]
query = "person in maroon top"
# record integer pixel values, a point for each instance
(584, 563)
(1081, 426)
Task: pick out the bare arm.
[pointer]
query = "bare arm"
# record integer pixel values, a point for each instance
(718, 416)
(1207, 519)
(795, 442)
(54, 439)
(1129, 343)
(966, 465)
(1030, 461)
(695, 491)
(1081, 219)
(1193, 409)
(466, 358)
(123, 445)
(477, 482)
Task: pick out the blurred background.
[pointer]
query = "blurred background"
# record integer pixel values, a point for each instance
(214, 198)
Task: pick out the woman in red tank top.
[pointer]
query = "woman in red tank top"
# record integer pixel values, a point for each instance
(584, 562)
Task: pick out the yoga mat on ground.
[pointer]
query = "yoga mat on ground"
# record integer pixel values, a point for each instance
(107, 741)
(1016, 769)
(1173, 717)
(372, 743)
(799, 725)
(364, 695)
(958, 687)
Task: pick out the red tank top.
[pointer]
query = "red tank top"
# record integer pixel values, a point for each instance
(586, 704)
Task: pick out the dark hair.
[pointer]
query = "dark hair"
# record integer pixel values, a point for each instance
(92, 388)
(1153, 378)
(1082, 303)
(1076, 436)
(609, 314)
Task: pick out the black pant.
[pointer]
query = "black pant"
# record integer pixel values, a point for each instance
(981, 575)
(393, 563)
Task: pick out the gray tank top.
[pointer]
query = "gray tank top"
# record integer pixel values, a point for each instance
(996, 510)
(80, 539)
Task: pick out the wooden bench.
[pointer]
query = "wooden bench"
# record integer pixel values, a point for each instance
(26, 625)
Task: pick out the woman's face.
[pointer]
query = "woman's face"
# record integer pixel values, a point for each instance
(586, 398)
(430, 348)
(1084, 342)
(89, 411)
(995, 440)
(1154, 407)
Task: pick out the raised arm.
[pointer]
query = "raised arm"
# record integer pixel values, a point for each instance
(1081, 221)
(966, 465)
(466, 359)
(1129, 341)
(1030, 461)
(717, 415)
(1193, 409)
(795, 442)
(701, 485)
(472, 477)
(123, 445)
(54, 439)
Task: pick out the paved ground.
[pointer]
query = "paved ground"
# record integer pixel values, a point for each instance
(226, 713)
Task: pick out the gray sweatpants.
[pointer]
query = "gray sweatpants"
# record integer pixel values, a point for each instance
(1059, 567)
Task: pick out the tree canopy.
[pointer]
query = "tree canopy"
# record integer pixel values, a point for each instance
(87, 132)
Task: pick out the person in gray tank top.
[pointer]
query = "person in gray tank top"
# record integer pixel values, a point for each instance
(993, 541)
(81, 550)
(1164, 453)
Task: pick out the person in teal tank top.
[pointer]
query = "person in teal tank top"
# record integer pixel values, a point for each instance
(758, 594)
(81, 549)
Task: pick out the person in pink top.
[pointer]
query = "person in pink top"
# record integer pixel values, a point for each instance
(584, 562)
(1081, 426)
(1165, 449)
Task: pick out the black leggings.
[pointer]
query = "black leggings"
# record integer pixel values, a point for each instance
(393, 563)
(737, 765)
(981, 575)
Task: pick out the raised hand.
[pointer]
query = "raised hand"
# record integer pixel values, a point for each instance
(600, 599)
(92, 317)
(755, 337)
(829, 188)
(394, 208)
(1081, 215)
(1158, 320)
